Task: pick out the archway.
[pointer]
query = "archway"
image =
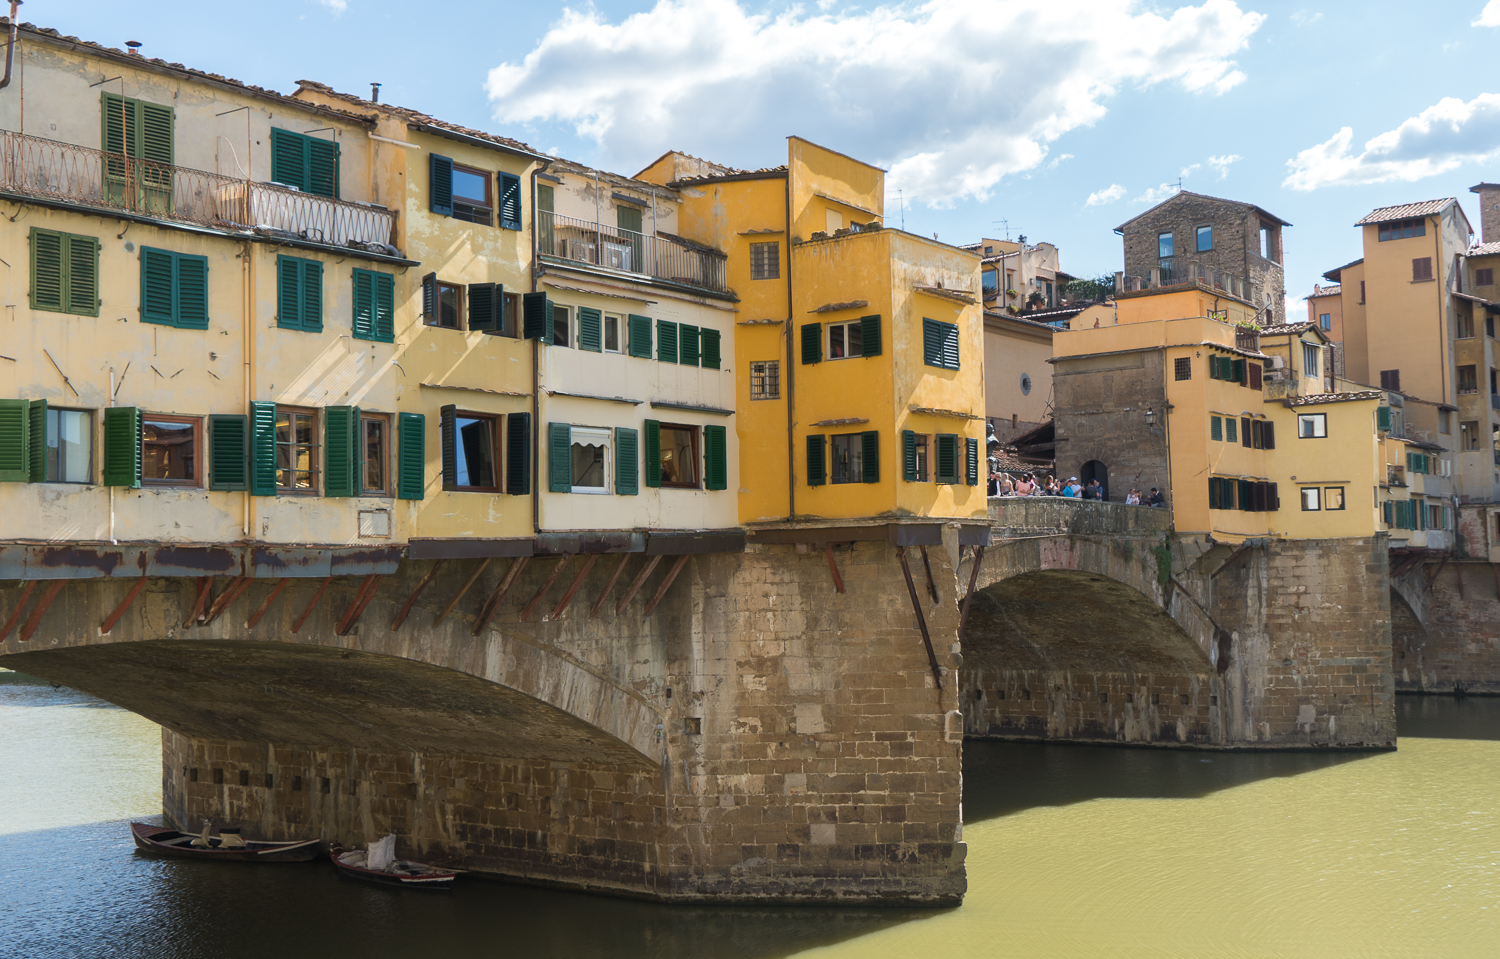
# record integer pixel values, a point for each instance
(1408, 646)
(1095, 470)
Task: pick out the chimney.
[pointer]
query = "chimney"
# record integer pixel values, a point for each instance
(374, 93)
(135, 47)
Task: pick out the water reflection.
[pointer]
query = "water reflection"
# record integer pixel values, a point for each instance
(1444, 717)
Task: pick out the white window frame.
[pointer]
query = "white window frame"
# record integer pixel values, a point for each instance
(571, 325)
(1312, 499)
(845, 326)
(1319, 421)
(619, 324)
(1315, 367)
(605, 437)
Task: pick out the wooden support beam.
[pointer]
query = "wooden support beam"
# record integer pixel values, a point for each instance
(322, 588)
(931, 586)
(1432, 577)
(636, 584)
(536, 600)
(916, 604)
(412, 599)
(113, 618)
(35, 619)
(492, 605)
(232, 593)
(588, 564)
(833, 567)
(205, 586)
(30, 587)
(261, 610)
(357, 607)
(963, 615)
(666, 584)
(625, 558)
(454, 602)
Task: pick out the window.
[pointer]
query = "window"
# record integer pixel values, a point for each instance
(1390, 380)
(1445, 421)
(471, 195)
(374, 306)
(1312, 426)
(296, 450)
(848, 462)
(169, 450)
(612, 323)
(1465, 324)
(845, 340)
(64, 273)
(70, 446)
(765, 380)
(1182, 367)
(1333, 497)
(1216, 428)
(310, 164)
(1231, 430)
(299, 294)
(1484, 276)
(510, 306)
(143, 131)
(1311, 363)
(442, 303)
(1325, 321)
(1469, 436)
(471, 444)
(940, 344)
(765, 261)
(1163, 245)
(1205, 239)
(949, 463)
(1468, 379)
(1311, 498)
(590, 466)
(919, 457)
(679, 456)
(560, 326)
(174, 289)
(1402, 229)
(1421, 268)
(374, 453)
(990, 281)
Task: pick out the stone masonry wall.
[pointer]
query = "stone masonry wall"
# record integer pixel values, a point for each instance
(1093, 425)
(1458, 650)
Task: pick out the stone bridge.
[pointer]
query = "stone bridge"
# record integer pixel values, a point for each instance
(780, 721)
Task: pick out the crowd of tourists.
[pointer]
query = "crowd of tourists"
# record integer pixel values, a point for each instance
(1032, 484)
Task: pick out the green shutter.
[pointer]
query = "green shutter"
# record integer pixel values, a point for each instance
(36, 441)
(323, 167)
(262, 449)
(411, 456)
(448, 443)
(156, 133)
(711, 357)
(950, 345)
(118, 117)
(289, 158)
(627, 461)
(341, 451)
(1231, 430)
(869, 443)
(1383, 418)
(687, 336)
(440, 185)
(640, 336)
(559, 458)
(385, 308)
(485, 301)
(946, 450)
(971, 466)
(288, 291)
(817, 466)
(228, 452)
(122, 446)
(192, 292)
(312, 296)
(46, 270)
(1245, 497)
(1216, 428)
(1213, 491)
(812, 342)
(518, 454)
(869, 335)
(590, 329)
(510, 201)
(536, 312)
(909, 456)
(939, 344)
(362, 289)
(653, 453)
(15, 441)
(715, 458)
(1237, 372)
(82, 263)
(666, 341)
(156, 286)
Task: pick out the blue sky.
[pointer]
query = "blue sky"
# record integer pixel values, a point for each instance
(983, 110)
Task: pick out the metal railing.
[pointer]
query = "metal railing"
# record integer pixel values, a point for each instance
(585, 241)
(33, 166)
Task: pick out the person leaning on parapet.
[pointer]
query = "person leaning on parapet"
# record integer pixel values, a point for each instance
(1070, 488)
(1156, 499)
(1133, 498)
(1093, 491)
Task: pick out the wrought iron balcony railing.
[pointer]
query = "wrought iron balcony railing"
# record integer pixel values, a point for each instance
(32, 166)
(666, 258)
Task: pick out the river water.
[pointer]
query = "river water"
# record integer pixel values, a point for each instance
(1074, 852)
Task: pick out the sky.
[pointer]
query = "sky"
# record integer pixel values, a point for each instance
(1055, 120)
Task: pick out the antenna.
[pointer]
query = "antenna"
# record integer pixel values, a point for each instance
(902, 199)
(1179, 184)
(1006, 224)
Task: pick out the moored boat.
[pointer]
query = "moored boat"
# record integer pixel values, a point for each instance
(226, 847)
(379, 865)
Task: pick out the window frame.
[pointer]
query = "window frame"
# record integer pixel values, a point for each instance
(760, 268)
(1198, 238)
(471, 210)
(1182, 368)
(696, 433)
(1318, 420)
(1484, 276)
(921, 445)
(385, 420)
(769, 372)
(1325, 322)
(1421, 269)
(46, 446)
(568, 315)
(1169, 246)
(1401, 229)
(844, 327)
(1328, 493)
(434, 319)
(496, 450)
(315, 451)
(854, 448)
(196, 422)
(1312, 361)
(617, 320)
(607, 466)
(1311, 495)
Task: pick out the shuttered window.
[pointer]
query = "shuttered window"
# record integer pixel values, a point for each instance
(971, 461)
(869, 327)
(653, 453)
(1231, 430)
(411, 456)
(666, 341)
(510, 201)
(909, 456)
(947, 467)
(311, 164)
(299, 294)
(640, 336)
(518, 454)
(715, 458)
(228, 452)
(440, 185)
(627, 461)
(940, 344)
(817, 466)
(341, 451)
(174, 289)
(812, 342)
(711, 359)
(486, 307)
(536, 313)
(559, 458)
(590, 329)
(64, 272)
(869, 452)
(688, 345)
(1421, 268)
(1216, 428)
(374, 297)
(15, 441)
(36, 441)
(138, 130)
(122, 446)
(262, 449)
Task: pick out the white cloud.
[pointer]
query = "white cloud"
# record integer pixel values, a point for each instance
(1489, 16)
(337, 6)
(1440, 138)
(1109, 194)
(1302, 18)
(894, 84)
(1157, 193)
(1222, 163)
(1059, 160)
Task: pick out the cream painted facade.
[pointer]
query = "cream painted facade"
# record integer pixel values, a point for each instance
(1017, 374)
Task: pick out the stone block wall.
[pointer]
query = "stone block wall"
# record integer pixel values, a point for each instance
(1093, 423)
(1119, 707)
(1458, 648)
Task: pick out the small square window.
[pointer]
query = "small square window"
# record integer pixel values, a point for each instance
(472, 195)
(375, 453)
(765, 261)
(1421, 268)
(612, 323)
(765, 380)
(70, 446)
(590, 459)
(169, 450)
(1205, 239)
(1311, 498)
(296, 450)
(679, 456)
(560, 326)
(1333, 497)
(845, 340)
(1182, 367)
(1312, 425)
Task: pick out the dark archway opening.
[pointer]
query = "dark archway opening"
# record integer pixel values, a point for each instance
(1408, 647)
(1095, 470)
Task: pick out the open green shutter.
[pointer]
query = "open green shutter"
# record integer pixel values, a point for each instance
(440, 185)
(627, 461)
(448, 441)
(640, 336)
(192, 292)
(869, 335)
(262, 449)
(411, 456)
(1237, 371)
(869, 449)
(483, 317)
(932, 343)
(323, 167)
(510, 201)
(909, 456)
(518, 453)
(715, 458)
(289, 158)
(15, 441)
(385, 307)
(590, 329)
(711, 357)
(46, 270)
(536, 317)
(666, 341)
(362, 290)
(817, 467)
(122, 446)
(946, 449)
(687, 350)
(653, 453)
(36, 441)
(950, 345)
(971, 465)
(559, 458)
(228, 452)
(312, 296)
(288, 293)
(340, 455)
(812, 342)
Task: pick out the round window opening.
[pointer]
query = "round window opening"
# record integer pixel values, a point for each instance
(1025, 384)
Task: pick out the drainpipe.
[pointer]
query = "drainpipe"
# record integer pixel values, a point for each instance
(10, 49)
(791, 367)
(536, 356)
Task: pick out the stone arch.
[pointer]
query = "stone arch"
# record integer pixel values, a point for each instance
(1408, 644)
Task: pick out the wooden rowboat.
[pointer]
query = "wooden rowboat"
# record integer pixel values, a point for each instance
(170, 842)
(401, 872)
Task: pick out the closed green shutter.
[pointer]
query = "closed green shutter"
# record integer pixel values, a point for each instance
(687, 336)
(1386, 509)
(122, 446)
(666, 341)
(817, 466)
(323, 167)
(1246, 495)
(484, 307)
(909, 456)
(192, 292)
(715, 458)
(627, 461)
(536, 312)
(653, 453)
(1231, 430)
(312, 296)
(46, 270)
(156, 286)
(373, 297)
(1383, 418)
(640, 336)
(869, 443)
(711, 357)
(36, 441)
(341, 451)
(946, 449)
(385, 308)
(119, 125)
(510, 201)
(1216, 428)
(559, 458)
(448, 443)
(228, 452)
(440, 185)
(15, 441)
(262, 449)
(590, 329)
(971, 467)
(288, 291)
(940, 344)
(518, 454)
(869, 335)
(411, 456)
(812, 342)
(289, 158)
(156, 133)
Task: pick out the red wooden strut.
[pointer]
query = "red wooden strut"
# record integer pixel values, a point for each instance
(357, 607)
(205, 586)
(30, 588)
(833, 567)
(260, 611)
(113, 618)
(537, 599)
(625, 557)
(35, 620)
(666, 584)
(322, 588)
(411, 600)
(227, 597)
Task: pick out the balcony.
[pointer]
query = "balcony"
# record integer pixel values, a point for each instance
(48, 169)
(665, 258)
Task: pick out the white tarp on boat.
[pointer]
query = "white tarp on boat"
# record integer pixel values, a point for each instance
(381, 854)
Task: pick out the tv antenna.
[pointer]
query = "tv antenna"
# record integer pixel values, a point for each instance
(901, 199)
(1005, 224)
(1179, 184)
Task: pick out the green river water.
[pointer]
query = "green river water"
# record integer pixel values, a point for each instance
(1073, 852)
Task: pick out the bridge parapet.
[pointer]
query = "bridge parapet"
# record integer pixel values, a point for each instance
(1014, 516)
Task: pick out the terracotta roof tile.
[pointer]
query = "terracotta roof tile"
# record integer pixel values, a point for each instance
(416, 116)
(1486, 249)
(1406, 211)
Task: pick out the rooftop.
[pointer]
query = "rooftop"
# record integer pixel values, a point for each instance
(1485, 249)
(1333, 290)
(1484, 186)
(1292, 329)
(418, 118)
(1181, 193)
(1333, 274)
(1406, 211)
